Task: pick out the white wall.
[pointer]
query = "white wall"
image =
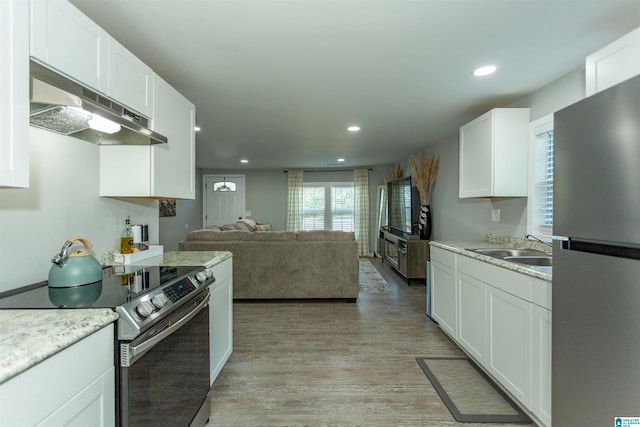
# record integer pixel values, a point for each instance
(62, 202)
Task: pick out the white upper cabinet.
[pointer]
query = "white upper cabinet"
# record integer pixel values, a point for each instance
(14, 93)
(174, 116)
(130, 79)
(614, 63)
(64, 38)
(160, 171)
(493, 154)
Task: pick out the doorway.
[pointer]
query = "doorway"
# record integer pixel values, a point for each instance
(223, 199)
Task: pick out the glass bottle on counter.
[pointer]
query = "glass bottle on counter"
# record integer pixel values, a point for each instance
(126, 238)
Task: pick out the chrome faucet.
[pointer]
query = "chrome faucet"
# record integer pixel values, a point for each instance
(538, 239)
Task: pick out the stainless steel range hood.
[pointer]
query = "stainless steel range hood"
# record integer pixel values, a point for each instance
(63, 106)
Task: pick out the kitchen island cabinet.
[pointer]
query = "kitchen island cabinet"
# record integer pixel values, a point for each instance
(14, 93)
(75, 386)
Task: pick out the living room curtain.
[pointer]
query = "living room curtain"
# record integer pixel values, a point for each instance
(361, 210)
(294, 200)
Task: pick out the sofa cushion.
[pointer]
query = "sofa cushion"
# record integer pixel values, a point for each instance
(243, 226)
(226, 235)
(274, 236)
(344, 235)
(213, 227)
(249, 223)
(263, 227)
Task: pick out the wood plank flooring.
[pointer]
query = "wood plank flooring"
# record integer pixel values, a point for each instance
(334, 363)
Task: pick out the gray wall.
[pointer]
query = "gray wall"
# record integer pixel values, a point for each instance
(266, 198)
(470, 219)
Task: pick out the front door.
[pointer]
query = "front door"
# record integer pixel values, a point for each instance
(224, 199)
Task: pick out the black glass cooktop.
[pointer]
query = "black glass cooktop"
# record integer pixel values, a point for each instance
(119, 285)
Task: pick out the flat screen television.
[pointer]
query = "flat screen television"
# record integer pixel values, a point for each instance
(400, 206)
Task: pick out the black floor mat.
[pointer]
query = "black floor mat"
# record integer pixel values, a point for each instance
(469, 394)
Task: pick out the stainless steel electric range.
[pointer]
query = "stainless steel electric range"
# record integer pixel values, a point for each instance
(162, 337)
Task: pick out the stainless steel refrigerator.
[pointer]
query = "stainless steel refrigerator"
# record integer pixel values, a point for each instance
(596, 271)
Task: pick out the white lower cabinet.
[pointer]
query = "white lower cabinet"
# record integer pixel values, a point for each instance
(472, 332)
(443, 296)
(509, 356)
(221, 318)
(502, 320)
(541, 397)
(75, 387)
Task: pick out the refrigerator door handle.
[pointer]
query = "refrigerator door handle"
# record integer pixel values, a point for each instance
(610, 249)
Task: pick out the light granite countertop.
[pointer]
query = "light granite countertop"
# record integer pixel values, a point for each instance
(460, 247)
(27, 337)
(187, 258)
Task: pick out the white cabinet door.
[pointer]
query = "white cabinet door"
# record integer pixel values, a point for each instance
(613, 64)
(75, 387)
(472, 317)
(493, 154)
(443, 297)
(541, 397)
(130, 79)
(221, 317)
(14, 93)
(173, 163)
(509, 352)
(164, 170)
(64, 38)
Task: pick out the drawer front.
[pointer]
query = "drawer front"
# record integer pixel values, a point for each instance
(443, 256)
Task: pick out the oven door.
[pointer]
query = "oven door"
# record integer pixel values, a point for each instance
(165, 380)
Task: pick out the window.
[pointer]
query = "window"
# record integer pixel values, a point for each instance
(540, 218)
(328, 206)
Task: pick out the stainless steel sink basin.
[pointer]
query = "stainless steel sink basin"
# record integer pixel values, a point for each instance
(538, 261)
(507, 252)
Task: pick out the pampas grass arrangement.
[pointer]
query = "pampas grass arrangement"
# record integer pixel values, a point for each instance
(424, 173)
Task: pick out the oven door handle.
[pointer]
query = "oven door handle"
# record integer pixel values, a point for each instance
(135, 352)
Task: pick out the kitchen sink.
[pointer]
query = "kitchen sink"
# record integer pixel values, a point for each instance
(507, 252)
(538, 261)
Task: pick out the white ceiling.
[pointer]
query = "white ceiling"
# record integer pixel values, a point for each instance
(278, 81)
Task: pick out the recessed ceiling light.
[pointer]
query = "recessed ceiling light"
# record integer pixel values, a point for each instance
(340, 159)
(244, 161)
(353, 128)
(485, 71)
(197, 128)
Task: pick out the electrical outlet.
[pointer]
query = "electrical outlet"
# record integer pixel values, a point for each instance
(186, 226)
(247, 214)
(495, 215)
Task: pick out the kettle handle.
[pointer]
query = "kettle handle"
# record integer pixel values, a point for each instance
(61, 258)
(87, 244)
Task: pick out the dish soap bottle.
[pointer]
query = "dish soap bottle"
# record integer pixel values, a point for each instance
(126, 239)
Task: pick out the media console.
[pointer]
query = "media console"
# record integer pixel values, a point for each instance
(407, 254)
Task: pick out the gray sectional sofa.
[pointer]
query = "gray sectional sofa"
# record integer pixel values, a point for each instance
(285, 264)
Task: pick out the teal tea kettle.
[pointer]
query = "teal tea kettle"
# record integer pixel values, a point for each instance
(74, 269)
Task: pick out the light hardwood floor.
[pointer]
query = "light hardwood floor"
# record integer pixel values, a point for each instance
(334, 363)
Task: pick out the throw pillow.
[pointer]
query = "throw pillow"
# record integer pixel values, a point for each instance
(228, 227)
(263, 227)
(251, 224)
(243, 226)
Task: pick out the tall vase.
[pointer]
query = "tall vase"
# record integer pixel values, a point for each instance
(424, 222)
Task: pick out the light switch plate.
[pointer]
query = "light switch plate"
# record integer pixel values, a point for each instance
(495, 215)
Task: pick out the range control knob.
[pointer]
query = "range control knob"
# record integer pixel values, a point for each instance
(201, 277)
(159, 300)
(144, 309)
(209, 272)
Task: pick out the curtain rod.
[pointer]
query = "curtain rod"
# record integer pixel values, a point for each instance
(329, 170)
